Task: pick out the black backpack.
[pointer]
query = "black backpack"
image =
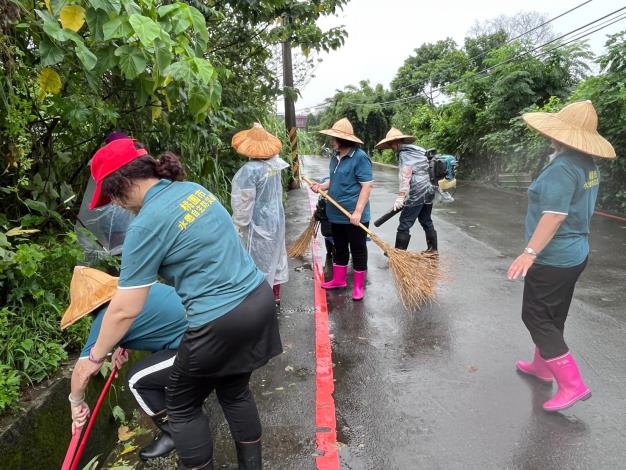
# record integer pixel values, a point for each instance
(437, 169)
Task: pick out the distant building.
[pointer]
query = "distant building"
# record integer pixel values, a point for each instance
(301, 121)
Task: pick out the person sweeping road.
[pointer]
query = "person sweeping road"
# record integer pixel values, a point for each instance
(561, 202)
(415, 192)
(350, 183)
(257, 203)
(158, 329)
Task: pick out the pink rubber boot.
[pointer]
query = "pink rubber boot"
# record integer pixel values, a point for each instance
(339, 278)
(537, 368)
(571, 385)
(359, 285)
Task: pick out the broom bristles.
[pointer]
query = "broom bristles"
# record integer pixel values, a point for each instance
(299, 247)
(415, 274)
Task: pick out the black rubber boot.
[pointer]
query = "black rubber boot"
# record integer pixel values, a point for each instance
(163, 444)
(249, 455)
(208, 466)
(431, 241)
(402, 240)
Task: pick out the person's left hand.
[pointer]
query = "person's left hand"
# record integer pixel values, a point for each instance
(356, 218)
(520, 266)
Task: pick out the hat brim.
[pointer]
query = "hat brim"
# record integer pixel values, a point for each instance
(341, 135)
(585, 141)
(264, 148)
(75, 313)
(98, 199)
(90, 289)
(386, 143)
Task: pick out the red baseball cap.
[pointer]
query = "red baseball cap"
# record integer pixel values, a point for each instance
(109, 159)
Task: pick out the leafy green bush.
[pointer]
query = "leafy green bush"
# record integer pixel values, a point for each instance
(9, 387)
(34, 280)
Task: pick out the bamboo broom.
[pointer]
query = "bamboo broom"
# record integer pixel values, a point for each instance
(299, 247)
(415, 275)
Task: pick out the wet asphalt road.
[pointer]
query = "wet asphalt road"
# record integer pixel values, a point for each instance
(437, 389)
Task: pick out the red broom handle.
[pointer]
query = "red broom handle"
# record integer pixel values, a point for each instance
(71, 450)
(92, 419)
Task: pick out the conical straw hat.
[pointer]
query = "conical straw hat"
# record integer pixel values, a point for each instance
(342, 129)
(256, 142)
(89, 290)
(574, 126)
(393, 135)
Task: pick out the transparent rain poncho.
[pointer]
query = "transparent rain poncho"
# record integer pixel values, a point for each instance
(414, 176)
(259, 216)
(107, 223)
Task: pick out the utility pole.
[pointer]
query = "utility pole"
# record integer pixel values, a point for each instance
(290, 112)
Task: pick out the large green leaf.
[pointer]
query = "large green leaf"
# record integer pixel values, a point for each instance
(109, 6)
(51, 26)
(130, 7)
(163, 56)
(106, 59)
(199, 103)
(145, 28)
(50, 53)
(167, 9)
(86, 57)
(199, 24)
(182, 71)
(95, 21)
(132, 61)
(205, 71)
(118, 27)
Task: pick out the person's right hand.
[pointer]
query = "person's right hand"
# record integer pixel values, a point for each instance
(399, 203)
(315, 187)
(80, 413)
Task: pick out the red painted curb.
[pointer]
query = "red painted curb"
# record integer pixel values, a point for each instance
(325, 420)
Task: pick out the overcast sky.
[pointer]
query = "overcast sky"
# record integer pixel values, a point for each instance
(383, 33)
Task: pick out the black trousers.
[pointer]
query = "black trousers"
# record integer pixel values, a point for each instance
(421, 212)
(350, 239)
(548, 292)
(220, 356)
(147, 379)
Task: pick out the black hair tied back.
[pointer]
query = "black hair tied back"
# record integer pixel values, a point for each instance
(169, 166)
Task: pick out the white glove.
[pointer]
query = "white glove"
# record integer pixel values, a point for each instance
(399, 204)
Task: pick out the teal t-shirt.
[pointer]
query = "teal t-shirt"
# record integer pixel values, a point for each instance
(185, 235)
(160, 324)
(568, 185)
(346, 176)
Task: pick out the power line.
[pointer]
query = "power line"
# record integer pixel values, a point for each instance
(327, 101)
(525, 33)
(518, 56)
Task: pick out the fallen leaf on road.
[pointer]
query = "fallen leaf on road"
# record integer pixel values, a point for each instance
(128, 448)
(124, 433)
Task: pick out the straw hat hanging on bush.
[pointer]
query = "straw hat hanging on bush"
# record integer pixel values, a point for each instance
(392, 136)
(342, 129)
(575, 126)
(89, 289)
(256, 143)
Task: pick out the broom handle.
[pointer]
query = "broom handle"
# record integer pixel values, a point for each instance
(337, 205)
(92, 419)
